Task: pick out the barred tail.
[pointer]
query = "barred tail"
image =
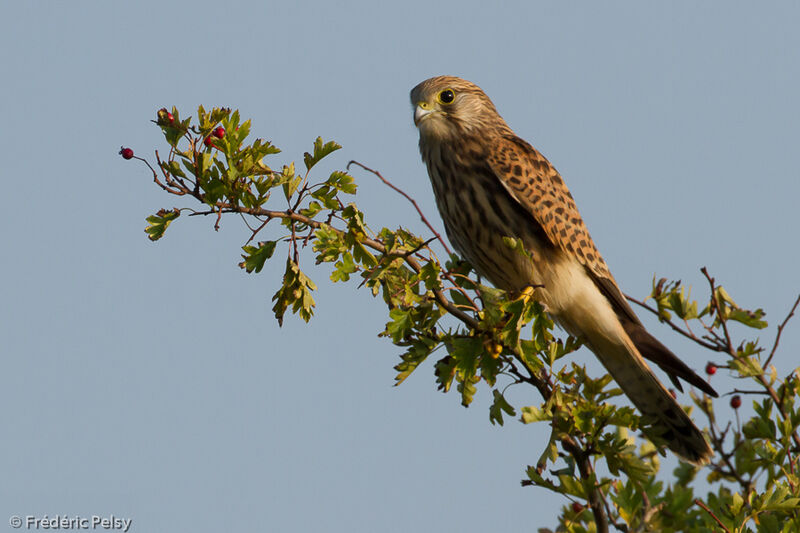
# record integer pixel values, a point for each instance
(638, 382)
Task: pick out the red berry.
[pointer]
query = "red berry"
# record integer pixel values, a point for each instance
(165, 117)
(576, 507)
(208, 141)
(736, 402)
(126, 153)
(711, 369)
(219, 133)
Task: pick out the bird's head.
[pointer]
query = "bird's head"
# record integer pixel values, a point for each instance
(447, 106)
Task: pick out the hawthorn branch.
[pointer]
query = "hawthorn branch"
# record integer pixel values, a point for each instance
(176, 192)
(746, 484)
(441, 299)
(780, 331)
(407, 197)
(732, 352)
(596, 498)
(422, 217)
(711, 513)
(581, 455)
(688, 334)
(722, 319)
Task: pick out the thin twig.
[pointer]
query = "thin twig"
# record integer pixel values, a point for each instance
(422, 217)
(780, 330)
(674, 326)
(441, 299)
(255, 231)
(726, 457)
(294, 244)
(246, 223)
(715, 304)
(596, 499)
(706, 509)
(176, 192)
(216, 223)
(407, 197)
(732, 352)
(739, 391)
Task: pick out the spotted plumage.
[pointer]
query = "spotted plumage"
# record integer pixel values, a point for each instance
(491, 184)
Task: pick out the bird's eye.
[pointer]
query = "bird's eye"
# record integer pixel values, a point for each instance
(447, 96)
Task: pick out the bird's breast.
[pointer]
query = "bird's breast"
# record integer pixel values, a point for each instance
(478, 212)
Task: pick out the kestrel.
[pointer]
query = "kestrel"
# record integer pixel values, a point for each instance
(491, 184)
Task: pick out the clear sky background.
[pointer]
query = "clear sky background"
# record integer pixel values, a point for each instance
(150, 381)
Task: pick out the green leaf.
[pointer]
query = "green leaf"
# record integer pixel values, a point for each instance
(320, 150)
(158, 223)
(327, 196)
(215, 190)
(344, 268)
(466, 352)
(256, 256)
(415, 355)
(499, 405)
(295, 291)
(312, 210)
(175, 130)
(746, 366)
(342, 181)
(355, 221)
(534, 414)
(328, 244)
(517, 246)
(401, 325)
(261, 148)
(290, 180)
(363, 256)
(736, 503)
(467, 388)
(174, 168)
(750, 319)
(445, 371)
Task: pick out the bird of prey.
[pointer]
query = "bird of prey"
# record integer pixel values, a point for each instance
(491, 184)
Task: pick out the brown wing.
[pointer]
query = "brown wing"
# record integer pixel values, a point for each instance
(533, 182)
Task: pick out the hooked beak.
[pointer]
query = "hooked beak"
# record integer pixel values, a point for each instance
(422, 110)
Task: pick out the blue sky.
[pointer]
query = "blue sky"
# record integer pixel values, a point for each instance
(150, 381)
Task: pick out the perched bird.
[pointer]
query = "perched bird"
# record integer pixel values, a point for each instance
(491, 184)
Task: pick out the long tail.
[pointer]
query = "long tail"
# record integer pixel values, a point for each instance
(651, 348)
(638, 382)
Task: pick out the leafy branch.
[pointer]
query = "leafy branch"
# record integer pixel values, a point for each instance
(503, 340)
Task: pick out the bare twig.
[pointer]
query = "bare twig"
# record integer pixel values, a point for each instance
(441, 299)
(219, 217)
(294, 245)
(715, 304)
(596, 499)
(739, 391)
(706, 509)
(718, 440)
(407, 197)
(176, 192)
(732, 351)
(255, 231)
(688, 335)
(780, 331)
(422, 217)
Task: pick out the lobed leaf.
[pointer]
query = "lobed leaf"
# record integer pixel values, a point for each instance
(158, 223)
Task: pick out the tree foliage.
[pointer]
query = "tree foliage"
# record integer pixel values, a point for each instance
(483, 338)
